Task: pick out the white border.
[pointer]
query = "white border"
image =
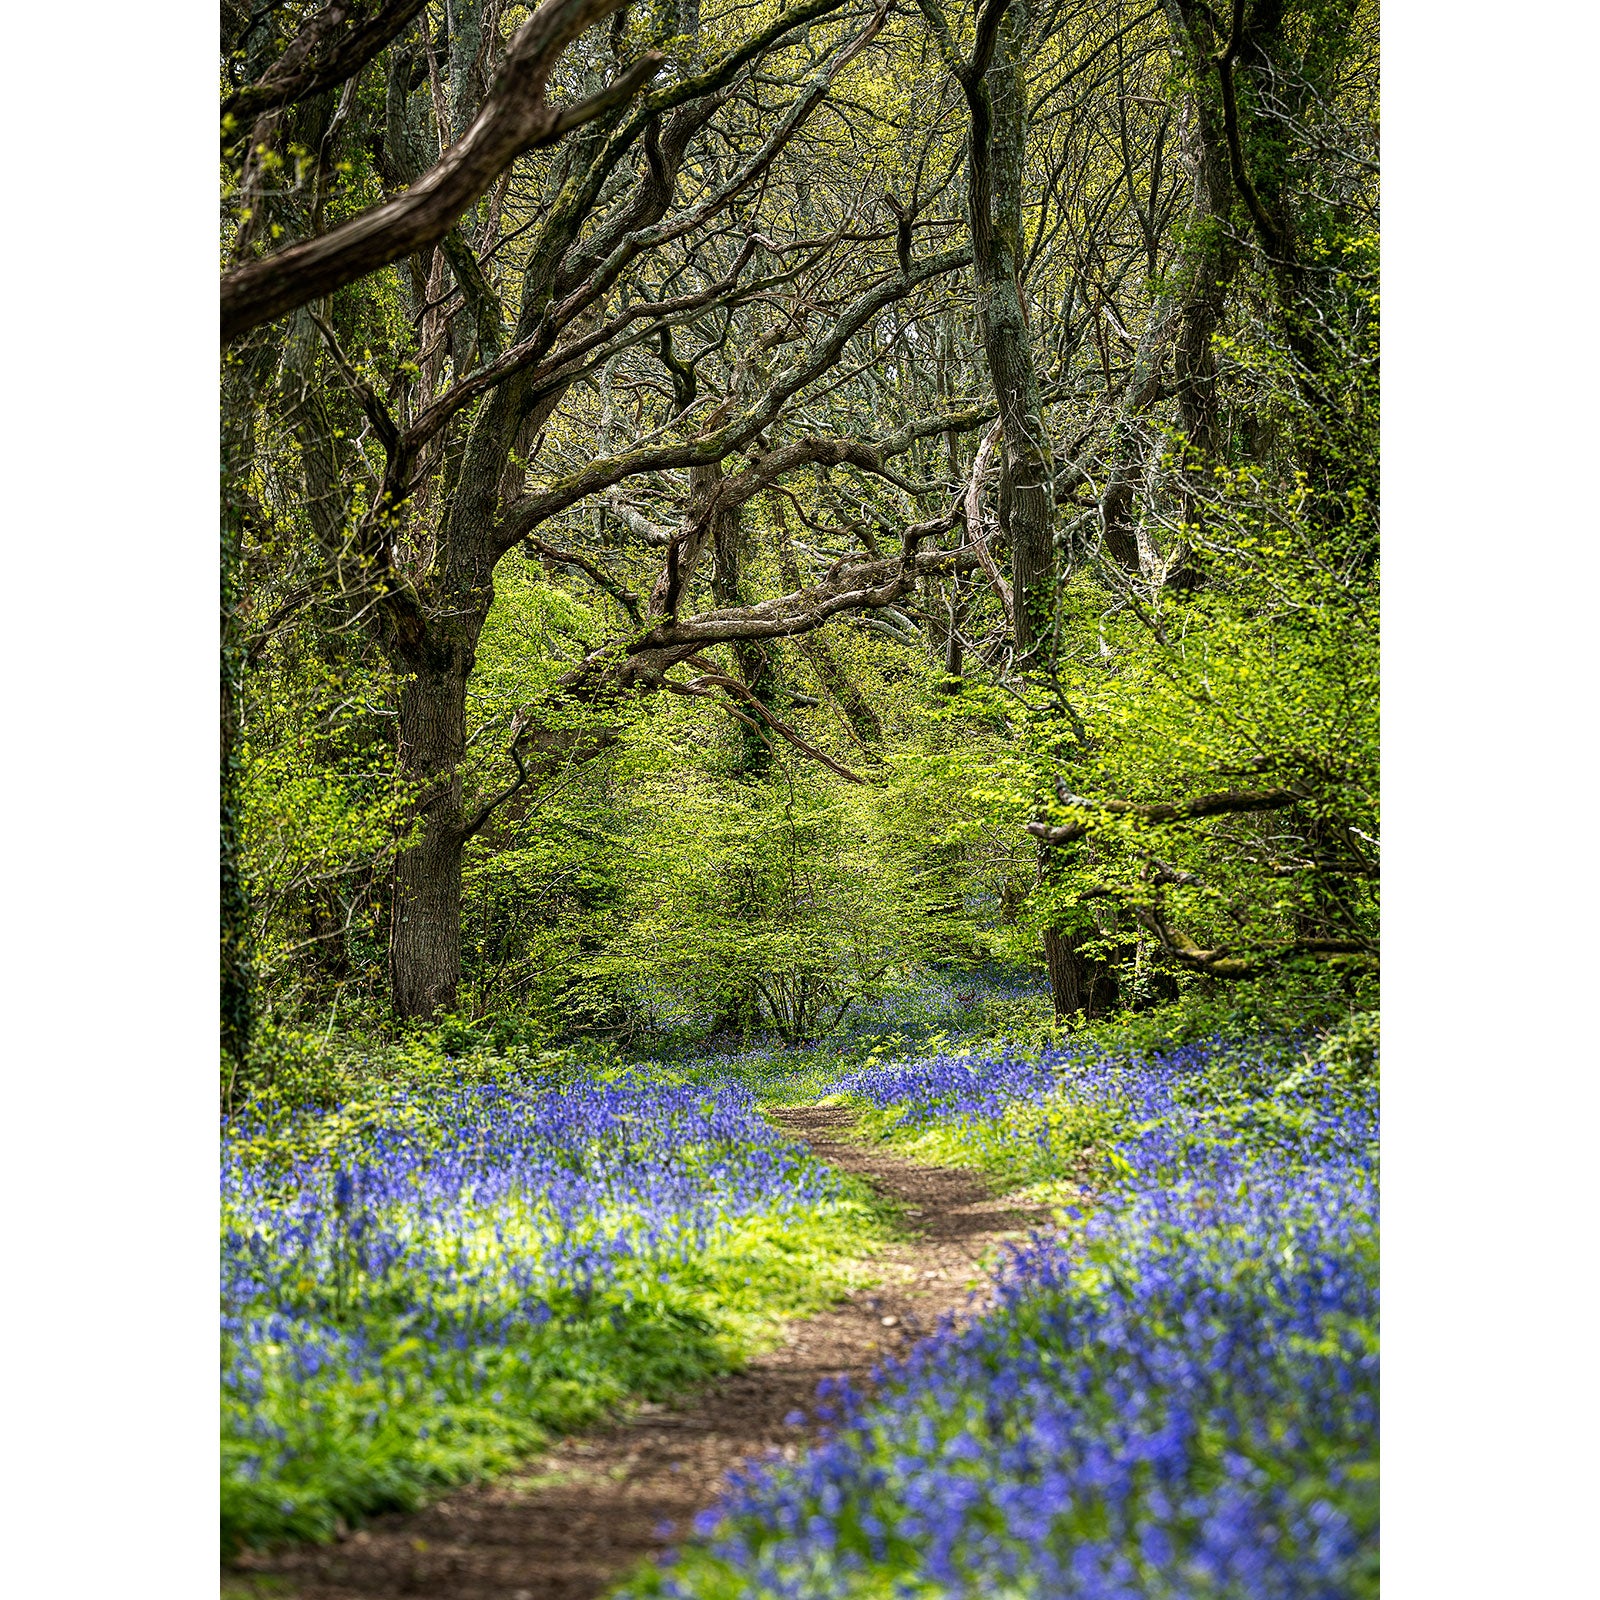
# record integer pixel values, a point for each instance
(109, 866)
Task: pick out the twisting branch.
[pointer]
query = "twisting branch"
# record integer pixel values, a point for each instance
(974, 510)
(707, 682)
(535, 348)
(1225, 60)
(332, 47)
(383, 423)
(515, 117)
(1223, 963)
(488, 809)
(528, 510)
(570, 558)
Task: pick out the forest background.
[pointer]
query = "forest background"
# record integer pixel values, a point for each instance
(866, 493)
(150, 999)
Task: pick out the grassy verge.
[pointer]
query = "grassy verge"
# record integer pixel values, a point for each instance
(364, 1443)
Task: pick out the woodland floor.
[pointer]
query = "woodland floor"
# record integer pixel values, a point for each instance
(598, 1501)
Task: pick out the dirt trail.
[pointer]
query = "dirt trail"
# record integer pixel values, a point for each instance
(597, 1502)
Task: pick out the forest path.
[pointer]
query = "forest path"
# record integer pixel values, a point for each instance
(594, 1505)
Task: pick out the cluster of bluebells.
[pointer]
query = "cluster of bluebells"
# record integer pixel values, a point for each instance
(1174, 1395)
(940, 1003)
(946, 1086)
(941, 997)
(410, 1250)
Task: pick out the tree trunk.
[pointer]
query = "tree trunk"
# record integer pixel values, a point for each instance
(238, 955)
(237, 963)
(1027, 499)
(1183, 323)
(425, 929)
(1077, 982)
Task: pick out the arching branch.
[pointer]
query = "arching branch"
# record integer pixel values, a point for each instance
(704, 686)
(516, 117)
(1205, 805)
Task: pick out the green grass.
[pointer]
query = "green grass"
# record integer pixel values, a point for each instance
(1034, 1146)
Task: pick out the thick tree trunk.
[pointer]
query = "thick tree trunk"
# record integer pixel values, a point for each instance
(757, 661)
(425, 929)
(238, 952)
(437, 646)
(1182, 323)
(237, 964)
(1077, 982)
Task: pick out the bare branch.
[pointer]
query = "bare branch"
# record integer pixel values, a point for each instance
(974, 510)
(707, 681)
(570, 558)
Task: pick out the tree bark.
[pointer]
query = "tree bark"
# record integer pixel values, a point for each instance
(997, 101)
(334, 45)
(516, 117)
(425, 927)
(1183, 322)
(1077, 982)
(237, 986)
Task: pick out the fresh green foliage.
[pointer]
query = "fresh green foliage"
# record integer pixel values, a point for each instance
(842, 576)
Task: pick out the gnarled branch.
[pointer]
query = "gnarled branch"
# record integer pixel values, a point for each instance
(570, 558)
(515, 117)
(332, 47)
(1223, 963)
(704, 685)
